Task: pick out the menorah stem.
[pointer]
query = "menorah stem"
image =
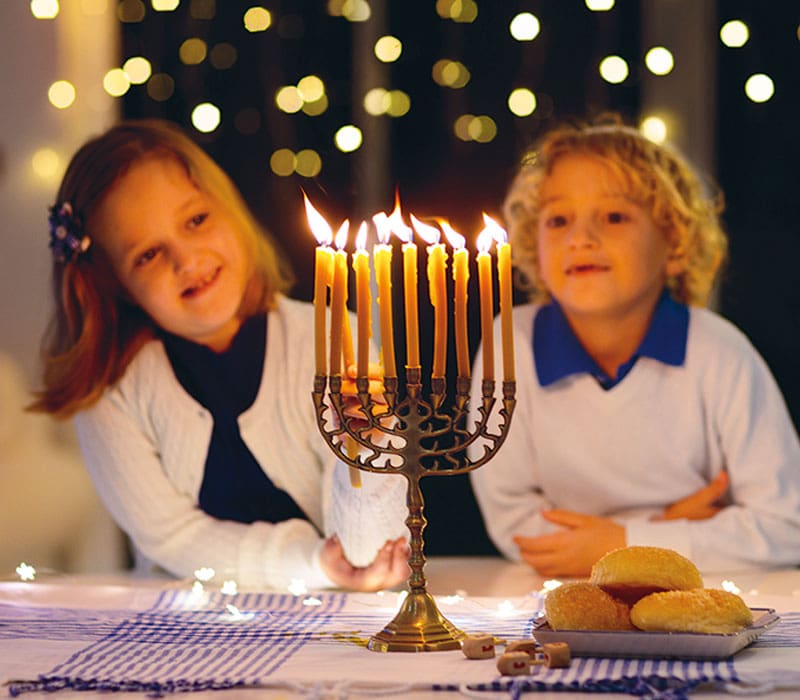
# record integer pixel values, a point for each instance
(416, 523)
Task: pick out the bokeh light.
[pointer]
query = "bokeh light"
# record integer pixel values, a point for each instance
(308, 163)
(193, 51)
(614, 69)
(654, 129)
(759, 87)
(160, 87)
(348, 138)
(734, 34)
(61, 94)
(46, 164)
(388, 49)
(600, 5)
(206, 117)
(116, 82)
(44, 9)
(138, 69)
(165, 5)
(257, 19)
(659, 60)
(525, 26)
(282, 162)
(522, 102)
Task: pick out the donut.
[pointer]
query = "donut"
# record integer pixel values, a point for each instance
(630, 573)
(705, 610)
(580, 605)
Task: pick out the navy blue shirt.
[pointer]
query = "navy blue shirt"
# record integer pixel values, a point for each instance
(558, 353)
(234, 485)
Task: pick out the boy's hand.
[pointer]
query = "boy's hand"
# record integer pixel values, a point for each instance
(703, 503)
(389, 568)
(574, 550)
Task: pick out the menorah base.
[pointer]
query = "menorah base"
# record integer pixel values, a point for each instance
(418, 626)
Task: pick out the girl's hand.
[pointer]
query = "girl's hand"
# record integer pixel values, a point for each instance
(703, 503)
(574, 550)
(389, 568)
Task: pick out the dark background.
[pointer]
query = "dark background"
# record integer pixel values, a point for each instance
(755, 145)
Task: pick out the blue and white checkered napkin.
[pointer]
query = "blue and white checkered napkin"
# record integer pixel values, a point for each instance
(215, 641)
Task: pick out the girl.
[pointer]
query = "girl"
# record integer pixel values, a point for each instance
(189, 375)
(637, 408)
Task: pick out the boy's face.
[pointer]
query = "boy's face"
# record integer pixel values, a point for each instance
(600, 254)
(176, 252)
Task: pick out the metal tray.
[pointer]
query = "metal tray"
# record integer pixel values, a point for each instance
(663, 645)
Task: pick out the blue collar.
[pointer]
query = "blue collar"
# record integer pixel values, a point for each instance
(558, 353)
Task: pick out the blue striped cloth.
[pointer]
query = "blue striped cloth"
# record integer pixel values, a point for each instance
(187, 642)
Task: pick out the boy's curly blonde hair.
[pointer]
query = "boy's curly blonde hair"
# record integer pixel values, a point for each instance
(655, 176)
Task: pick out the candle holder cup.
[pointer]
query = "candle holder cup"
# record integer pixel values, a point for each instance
(413, 438)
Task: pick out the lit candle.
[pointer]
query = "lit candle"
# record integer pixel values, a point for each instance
(437, 286)
(406, 234)
(339, 301)
(460, 282)
(506, 298)
(487, 301)
(382, 256)
(323, 272)
(363, 299)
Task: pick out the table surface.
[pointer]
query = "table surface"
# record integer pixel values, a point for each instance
(467, 577)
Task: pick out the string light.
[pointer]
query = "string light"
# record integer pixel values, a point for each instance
(525, 26)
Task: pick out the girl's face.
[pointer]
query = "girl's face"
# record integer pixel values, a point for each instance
(176, 252)
(601, 255)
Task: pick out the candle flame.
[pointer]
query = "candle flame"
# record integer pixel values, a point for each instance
(398, 227)
(484, 241)
(454, 238)
(429, 234)
(498, 232)
(319, 227)
(361, 236)
(341, 235)
(383, 227)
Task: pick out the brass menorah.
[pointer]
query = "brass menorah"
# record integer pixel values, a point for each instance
(413, 438)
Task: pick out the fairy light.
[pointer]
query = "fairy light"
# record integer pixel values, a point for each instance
(525, 26)
(297, 587)
(204, 573)
(614, 69)
(229, 587)
(26, 572)
(348, 138)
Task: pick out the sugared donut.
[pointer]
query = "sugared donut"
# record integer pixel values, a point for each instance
(705, 610)
(630, 573)
(583, 606)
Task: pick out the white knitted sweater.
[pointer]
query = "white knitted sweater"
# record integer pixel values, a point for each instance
(145, 444)
(656, 437)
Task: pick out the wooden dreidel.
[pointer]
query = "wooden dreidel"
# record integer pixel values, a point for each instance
(514, 663)
(478, 646)
(529, 646)
(554, 655)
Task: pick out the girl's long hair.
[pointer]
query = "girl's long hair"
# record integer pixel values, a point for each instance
(95, 331)
(685, 208)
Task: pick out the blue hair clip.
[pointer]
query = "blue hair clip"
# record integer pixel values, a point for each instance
(67, 238)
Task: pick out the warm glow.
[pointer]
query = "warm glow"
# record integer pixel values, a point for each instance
(399, 103)
(522, 102)
(429, 234)
(654, 129)
(494, 229)
(376, 101)
(452, 74)
(131, 11)
(454, 238)
(223, 56)
(614, 69)
(193, 51)
(599, 5)
(388, 49)
(160, 87)
(525, 27)
(257, 19)
(206, 117)
(457, 10)
(165, 5)
(482, 129)
(314, 109)
(734, 34)
(659, 60)
(461, 126)
(348, 138)
(138, 69)
(289, 99)
(116, 83)
(311, 88)
(308, 163)
(759, 87)
(44, 9)
(356, 10)
(61, 94)
(46, 164)
(282, 162)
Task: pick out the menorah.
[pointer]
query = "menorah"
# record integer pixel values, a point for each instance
(406, 437)
(409, 436)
